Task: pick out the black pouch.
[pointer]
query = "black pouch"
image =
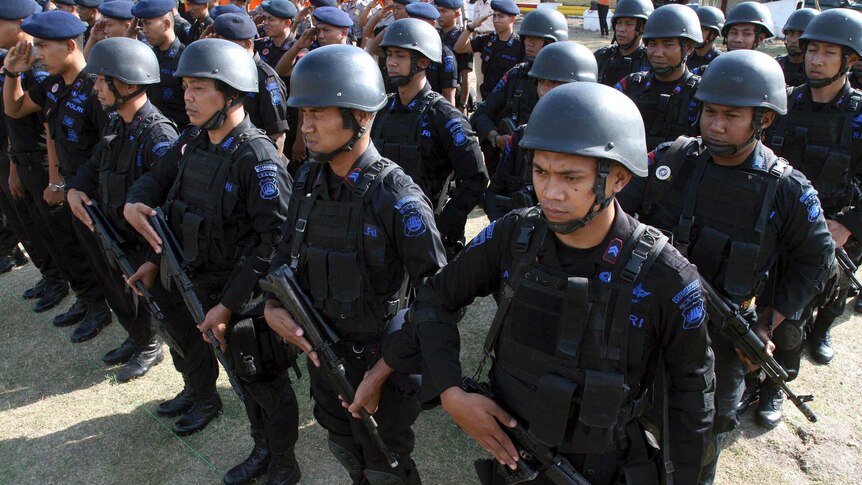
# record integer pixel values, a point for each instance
(345, 284)
(245, 352)
(600, 406)
(553, 406)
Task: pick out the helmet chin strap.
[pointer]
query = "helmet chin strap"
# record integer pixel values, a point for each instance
(399, 81)
(683, 57)
(349, 122)
(119, 99)
(723, 150)
(601, 203)
(710, 38)
(218, 119)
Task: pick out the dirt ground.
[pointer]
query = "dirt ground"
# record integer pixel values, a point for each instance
(64, 419)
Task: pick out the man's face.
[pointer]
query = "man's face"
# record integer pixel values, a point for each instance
(116, 27)
(532, 45)
(823, 60)
(323, 129)
(399, 11)
(546, 85)
(103, 92)
(198, 11)
(626, 30)
(52, 54)
(663, 53)
(502, 21)
(155, 30)
(202, 99)
(329, 34)
(741, 36)
(87, 14)
(726, 125)
(791, 42)
(398, 61)
(447, 16)
(274, 26)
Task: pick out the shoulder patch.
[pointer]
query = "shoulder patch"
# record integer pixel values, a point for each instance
(411, 217)
(812, 204)
(161, 148)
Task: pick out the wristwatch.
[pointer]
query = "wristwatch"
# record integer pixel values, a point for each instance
(8, 73)
(471, 28)
(56, 187)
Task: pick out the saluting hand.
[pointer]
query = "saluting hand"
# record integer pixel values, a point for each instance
(281, 323)
(137, 216)
(481, 417)
(20, 57)
(481, 20)
(76, 200)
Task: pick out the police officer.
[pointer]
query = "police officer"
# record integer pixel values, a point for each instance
(88, 13)
(734, 208)
(427, 136)
(747, 26)
(511, 185)
(378, 235)
(66, 6)
(711, 22)
(157, 21)
(792, 63)
(499, 51)
(627, 53)
(443, 75)
(450, 12)
(225, 192)
(136, 136)
(665, 94)
(267, 106)
(821, 138)
(116, 17)
(200, 15)
(74, 117)
(278, 15)
(574, 323)
(27, 174)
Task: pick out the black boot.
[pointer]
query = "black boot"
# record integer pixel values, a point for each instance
(36, 291)
(73, 315)
(857, 307)
(254, 466)
(751, 393)
(283, 469)
(821, 348)
(199, 416)
(19, 258)
(54, 293)
(769, 408)
(145, 358)
(181, 403)
(121, 354)
(98, 317)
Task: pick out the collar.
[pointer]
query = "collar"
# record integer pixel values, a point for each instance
(396, 101)
(803, 96)
(146, 110)
(173, 49)
(368, 157)
(757, 159)
(232, 138)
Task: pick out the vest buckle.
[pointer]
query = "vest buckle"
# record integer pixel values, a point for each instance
(300, 225)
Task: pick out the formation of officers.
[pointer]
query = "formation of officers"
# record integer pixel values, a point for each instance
(333, 139)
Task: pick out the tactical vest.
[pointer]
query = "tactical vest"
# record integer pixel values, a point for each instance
(613, 67)
(521, 95)
(202, 198)
(121, 164)
(398, 137)
(563, 343)
(666, 116)
(819, 146)
(732, 205)
(331, 257)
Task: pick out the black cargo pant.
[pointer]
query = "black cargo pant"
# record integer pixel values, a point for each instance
(272, 409)
(20, 225)
(54, 226)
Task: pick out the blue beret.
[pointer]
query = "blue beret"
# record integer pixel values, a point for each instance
(324, 3)
(422, 10)
(505, 6)
(235, 26)
(119, 9)
(18, 9)
(283, 9)
(449, 3)
(54, 25)
(333, 16)
(65, 2)
(88, 3)
(198, 2)
(405, 2)
(223, 9)
(150, 9)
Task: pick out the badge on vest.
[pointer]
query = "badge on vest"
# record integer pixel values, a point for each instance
(613, 250)
(663, 172)
(812, 203)
(268, 189)
(414, 224)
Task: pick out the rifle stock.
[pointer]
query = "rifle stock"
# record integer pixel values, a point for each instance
(283, 285)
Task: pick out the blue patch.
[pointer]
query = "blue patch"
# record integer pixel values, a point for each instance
(78, 97)
(228, 186)
(274, 93)
(370, 230)
(694, 285)
(639, 292)
(68, 121)
(505, 275)
(168, 93)
(426, 133)
(449, 64)
(414, 225)
(72, 136)
(812, 204)
(759, 162)
(353, 176)
(483, 236)
(268, 189)
(857, 121)
(691, 305)
(161, 148)
(227, 143)
(407, 203)
(40, 76)
(613, 250)
(636, 320)
(266, 167)
(605, 276)
(457, 130)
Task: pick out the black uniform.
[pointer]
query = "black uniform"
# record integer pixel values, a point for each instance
(269, 52)
(511, 185)
(794, 73)
(573, 336)
(430, 139)
(613, 66)
(125, 152)
(198, 27)
(855, 78)
(443, 74)
(226, 203)
(74, 117)
(696, 61)
(498, 56)
(824, 142)
(668, 109)
(167, 95)
(267, 108)
(183, 30)
(366, 237)
(465, 61)
(734, 223)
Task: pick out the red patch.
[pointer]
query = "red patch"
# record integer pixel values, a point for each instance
(651, 158)
(612, 253)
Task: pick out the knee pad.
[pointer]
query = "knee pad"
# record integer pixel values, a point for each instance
(347, 457)
(788, 335)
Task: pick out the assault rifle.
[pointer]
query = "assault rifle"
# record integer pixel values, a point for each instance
(171, 262)
(736, 328)
(283, 285)
(535, 458)
(847, 267)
